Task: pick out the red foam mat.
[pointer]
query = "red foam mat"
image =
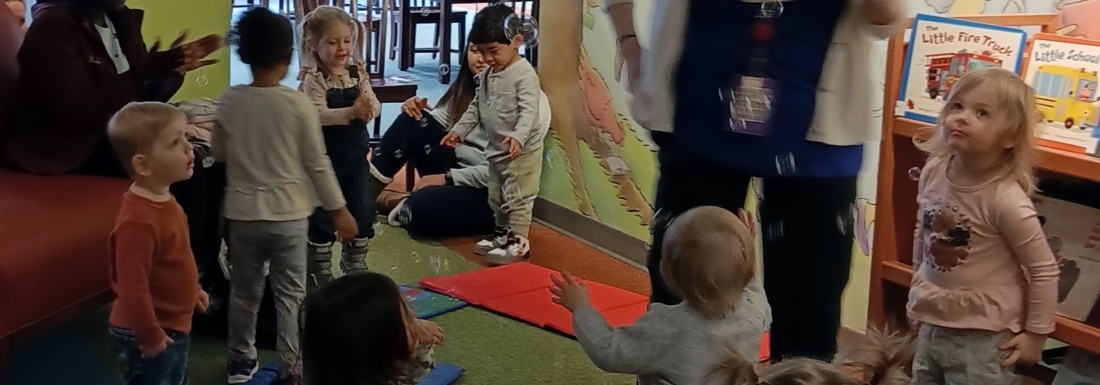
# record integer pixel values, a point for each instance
(478, 286)
(536, 308)
(521, 291)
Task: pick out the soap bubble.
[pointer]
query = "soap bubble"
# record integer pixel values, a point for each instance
(914, 173)
(525, 26)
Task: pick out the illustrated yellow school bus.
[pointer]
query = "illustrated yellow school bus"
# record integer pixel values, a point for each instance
(1066, 95)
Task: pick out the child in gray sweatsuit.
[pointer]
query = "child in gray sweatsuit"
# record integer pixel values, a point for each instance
(507, 108)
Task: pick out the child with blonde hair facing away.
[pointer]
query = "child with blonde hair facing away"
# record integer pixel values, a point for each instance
(269, 137)
(153, 273)
(507, 107)
(875, 358)
(359, 330)
(710, 262)
(985, 280)
(338, 85)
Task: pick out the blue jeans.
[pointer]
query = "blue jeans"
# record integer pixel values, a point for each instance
(167, 368)
(353, 173)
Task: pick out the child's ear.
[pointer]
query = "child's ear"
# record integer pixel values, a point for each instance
(517, 40)
(140, 164)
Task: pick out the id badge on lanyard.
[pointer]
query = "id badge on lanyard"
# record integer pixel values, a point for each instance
(751, 94)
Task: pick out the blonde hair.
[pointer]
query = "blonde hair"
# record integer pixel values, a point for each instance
(794, 371)
(887, 356)
(1016, 100)
(883, 354)
(314, 25)
(708, 260)
(135, 128)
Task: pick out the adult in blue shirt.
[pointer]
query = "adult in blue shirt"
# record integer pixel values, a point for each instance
(700, 67)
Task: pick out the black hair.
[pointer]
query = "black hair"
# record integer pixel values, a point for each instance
(353, 332)
(462, 90)
(489, 25)
(264, 39)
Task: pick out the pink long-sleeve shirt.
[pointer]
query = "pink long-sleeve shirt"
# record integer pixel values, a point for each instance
(981, 259)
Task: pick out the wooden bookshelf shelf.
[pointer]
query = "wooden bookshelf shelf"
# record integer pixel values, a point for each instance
(1050, 159)
(896, 211)
(1082, 335)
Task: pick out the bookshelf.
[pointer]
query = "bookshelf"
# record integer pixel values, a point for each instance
(891, 268)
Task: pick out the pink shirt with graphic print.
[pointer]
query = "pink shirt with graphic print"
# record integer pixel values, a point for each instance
(976, 249)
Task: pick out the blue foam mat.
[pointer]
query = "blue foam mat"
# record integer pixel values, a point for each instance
(427, 304)
(443, 374)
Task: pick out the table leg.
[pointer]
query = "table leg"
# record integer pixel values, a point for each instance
(406, 43)
(445, 41)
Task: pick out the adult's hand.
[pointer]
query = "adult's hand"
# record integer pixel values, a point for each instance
(629, 55)
(414, 105)
(195, 52)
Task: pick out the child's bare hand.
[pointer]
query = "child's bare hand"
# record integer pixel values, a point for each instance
(514, 148)
(914, 325)
(747, 219)
(429, 333)
(345, 224)
(204, 302)
(414, 105)
(362, 108)
(1024, 348)
(153, 351)
(451, 139)
(568, 292)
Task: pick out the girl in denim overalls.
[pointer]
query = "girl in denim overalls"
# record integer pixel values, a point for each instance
(340, 88)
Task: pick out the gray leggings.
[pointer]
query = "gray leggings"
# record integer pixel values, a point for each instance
(251, 244)
(947, 356)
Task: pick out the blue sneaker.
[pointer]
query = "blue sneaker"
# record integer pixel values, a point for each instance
(241, 370)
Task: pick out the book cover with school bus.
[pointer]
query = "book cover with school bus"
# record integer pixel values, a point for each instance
(942, 50)
(1063, 72)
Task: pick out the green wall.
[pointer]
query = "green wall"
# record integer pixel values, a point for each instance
(166, 18)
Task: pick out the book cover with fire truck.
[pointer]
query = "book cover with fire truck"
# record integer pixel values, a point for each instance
(1063, 72)
(942, 50)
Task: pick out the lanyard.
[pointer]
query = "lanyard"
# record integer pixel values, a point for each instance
(763, 30)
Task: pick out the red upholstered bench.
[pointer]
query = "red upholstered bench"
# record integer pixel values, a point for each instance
(53, 262)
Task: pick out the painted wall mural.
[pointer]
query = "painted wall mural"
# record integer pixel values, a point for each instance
(600, 163)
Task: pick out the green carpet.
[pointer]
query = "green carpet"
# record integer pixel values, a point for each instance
(493, 349)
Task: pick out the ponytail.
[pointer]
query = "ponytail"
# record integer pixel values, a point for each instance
(883, 357)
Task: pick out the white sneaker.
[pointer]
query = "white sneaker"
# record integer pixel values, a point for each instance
(394, 218)
(515, 249)
(491, 241)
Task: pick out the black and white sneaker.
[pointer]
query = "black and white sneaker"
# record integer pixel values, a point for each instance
(492, 241)
(242, 370)
(515, 248)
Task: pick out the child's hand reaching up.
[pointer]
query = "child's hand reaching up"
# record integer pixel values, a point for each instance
(451, 139)
(568, 292)
(1024, 348)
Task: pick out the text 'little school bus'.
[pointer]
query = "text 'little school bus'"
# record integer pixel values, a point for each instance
(945, 69)
(1066, 95)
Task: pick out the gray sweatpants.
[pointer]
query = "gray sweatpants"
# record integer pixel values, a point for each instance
(513, 186)
(947, 356)
(283, 244)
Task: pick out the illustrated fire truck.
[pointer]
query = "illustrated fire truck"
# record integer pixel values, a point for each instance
(946, 68)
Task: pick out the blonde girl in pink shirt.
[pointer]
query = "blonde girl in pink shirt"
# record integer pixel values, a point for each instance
(985, 281)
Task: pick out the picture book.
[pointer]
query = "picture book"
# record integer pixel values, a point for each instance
(1062, 70)
(942, 50)
(1073, 232)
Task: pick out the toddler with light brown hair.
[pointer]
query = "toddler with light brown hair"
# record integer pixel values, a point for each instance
(710, 261)
(878, 357)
